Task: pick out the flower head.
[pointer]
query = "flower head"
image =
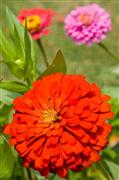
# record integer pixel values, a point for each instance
(37, 21)
(88, 24)
(60, 124)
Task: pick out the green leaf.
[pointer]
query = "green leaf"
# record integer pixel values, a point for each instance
(114, 169)
(18, 61)
(115, 106)
(18, 44)
(116, 150)
(14, 86)
(8, 53)
(55, 177)
(51, 176)
(38, 176)
(6, 113)
(58, 65)
(108, 153)
(6, 159)
(16, 68)
(115, 122)
(7, 97)
(28, 59)
(11, 21)
(11, 56)
(5, 109)
(6, 47)
(33, 56)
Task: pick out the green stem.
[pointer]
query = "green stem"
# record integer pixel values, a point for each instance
(106, 173)
(29, 174)
(108, 51)
(4, 139)
(34, 65)
(43, 52)
(68, 176)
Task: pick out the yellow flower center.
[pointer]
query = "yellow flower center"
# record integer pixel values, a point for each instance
(85, 19)
(33, 22)
(50, 115)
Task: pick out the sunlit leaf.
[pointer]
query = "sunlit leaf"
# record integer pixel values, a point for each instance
(58, 65)
(38, 176)
(10, 55)
(108, 153)
(115, 122)
(116, 150)
(16, 68)
(6, 47)
(114, 169)
(33, 56)
(7, 97)
(6, 159)
(56, 177)
(18, 44)
(11, 21)
(14, 86)
(115, 108)
(5, 114)
(28, 60)
(18, 52)
(51, 176)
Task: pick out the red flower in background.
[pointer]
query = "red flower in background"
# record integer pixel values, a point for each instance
(37, 21)
(60, 124)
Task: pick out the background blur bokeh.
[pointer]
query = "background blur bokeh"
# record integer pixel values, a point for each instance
(93, 62)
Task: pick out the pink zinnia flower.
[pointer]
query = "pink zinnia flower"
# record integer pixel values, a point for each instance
(37, 20)
(88, 24)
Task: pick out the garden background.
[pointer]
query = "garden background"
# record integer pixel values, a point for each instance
(92, 61)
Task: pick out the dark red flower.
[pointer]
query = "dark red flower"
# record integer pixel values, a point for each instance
(60, 124)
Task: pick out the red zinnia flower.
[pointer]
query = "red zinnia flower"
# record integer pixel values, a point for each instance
(60, 124)
(37, 20)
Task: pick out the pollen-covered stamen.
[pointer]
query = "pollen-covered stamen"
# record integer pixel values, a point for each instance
(49, 115)
(33, 22)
